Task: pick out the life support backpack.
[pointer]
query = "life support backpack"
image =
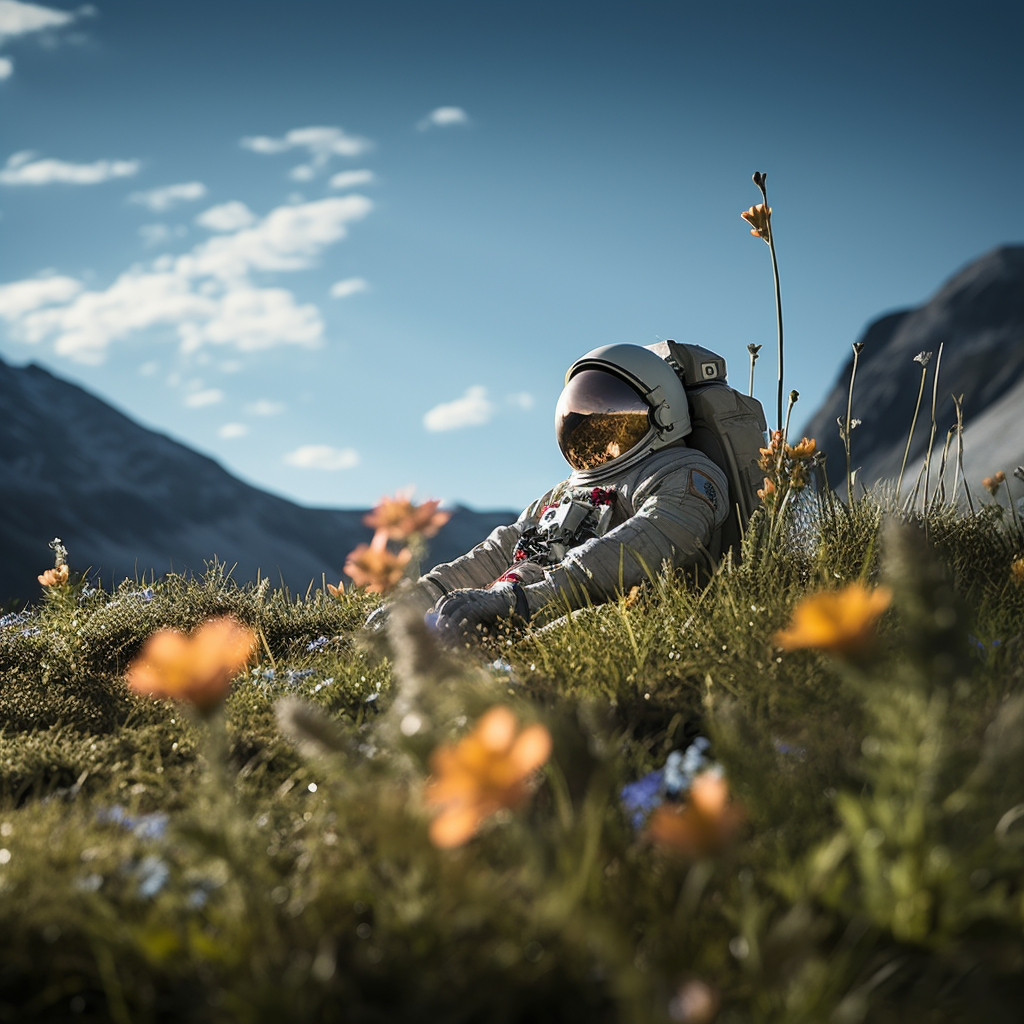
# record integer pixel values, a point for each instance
(728, 427)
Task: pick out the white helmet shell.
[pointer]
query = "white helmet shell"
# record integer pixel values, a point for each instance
(661, 390)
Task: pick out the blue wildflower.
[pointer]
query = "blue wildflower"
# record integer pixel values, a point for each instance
(152, 873)
(641, 797)
(318, 644)
(671, 782)
(145, 826)
(293, 676)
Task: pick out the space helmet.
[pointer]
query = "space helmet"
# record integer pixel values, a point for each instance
(619, 403)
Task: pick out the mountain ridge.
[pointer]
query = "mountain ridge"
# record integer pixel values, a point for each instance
(977, 316)
(128, 500)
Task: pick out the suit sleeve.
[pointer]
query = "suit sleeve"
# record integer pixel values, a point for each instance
(677, 514)
(483, 564)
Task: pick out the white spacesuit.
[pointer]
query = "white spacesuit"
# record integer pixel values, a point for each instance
(637, 498)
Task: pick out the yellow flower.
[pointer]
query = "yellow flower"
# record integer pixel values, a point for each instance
(1017, 571)
(399, 518)
(197, 668)
(705, 825)
(842, 621)
(54, 577)
(375, 567)
(760, 220)
(482, 773)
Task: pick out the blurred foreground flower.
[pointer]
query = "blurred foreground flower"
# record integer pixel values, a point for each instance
(197, 668)
(1017, 571)
(705, 825)
(375, 567)
(842, 621)
(400, 519)
(695, 1002)
(483, 773)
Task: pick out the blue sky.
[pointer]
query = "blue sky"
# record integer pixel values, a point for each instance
(346, 248)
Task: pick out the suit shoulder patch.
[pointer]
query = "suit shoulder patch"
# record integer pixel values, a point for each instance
(704, 487)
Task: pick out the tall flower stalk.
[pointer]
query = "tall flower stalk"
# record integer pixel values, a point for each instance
(848, 429)
(760, 220)
(924, 358)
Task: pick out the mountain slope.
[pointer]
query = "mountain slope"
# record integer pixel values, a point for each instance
(127, 500)
(978, 318)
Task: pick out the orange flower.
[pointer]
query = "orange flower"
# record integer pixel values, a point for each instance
(54, 577)
(804, 450)
(704, 825)
(399, 518)
(760, 220)
(1017, 571)
(992, 484)
(842, 621)
(197, 668)
(375, 567)
(482, 773)
(339, 590)
(767, 494)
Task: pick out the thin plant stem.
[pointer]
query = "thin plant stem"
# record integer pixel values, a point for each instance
(913, 423)
(847, 440)
(931, 439)
(959, 404)
(793, 398)
(940, 483)
(759, 180)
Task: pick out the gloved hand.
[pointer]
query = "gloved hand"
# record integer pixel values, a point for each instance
(457, 615)
(420, 597)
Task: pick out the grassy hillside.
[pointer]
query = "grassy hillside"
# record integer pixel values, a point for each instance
(274, 860)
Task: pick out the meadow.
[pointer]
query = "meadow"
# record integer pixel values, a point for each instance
(852, 851)
(793, 793)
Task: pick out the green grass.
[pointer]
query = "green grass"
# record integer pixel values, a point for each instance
(274, 864)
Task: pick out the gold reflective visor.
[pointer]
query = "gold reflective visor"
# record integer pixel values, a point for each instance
(598, 418)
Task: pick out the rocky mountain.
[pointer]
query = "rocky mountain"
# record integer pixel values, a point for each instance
(977, 318)
(126, 501)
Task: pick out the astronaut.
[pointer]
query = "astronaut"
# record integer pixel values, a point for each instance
(637, 498)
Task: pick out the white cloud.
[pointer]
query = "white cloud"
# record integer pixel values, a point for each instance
(17, 19)
(137, 300)
(157, 234)
(22, 297)
(232, 430)
(198, 399)
(322, 456)
(443, 117)
(160, 199)
(24, 169)
(256, 318)
(149, 369)
(522, 400)
(205, 296)
(265, 407)
(320, 142)
(351, 179)
(6, 68)
(350, 286)
(288, 238)
(227, 217)
(471, 410)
